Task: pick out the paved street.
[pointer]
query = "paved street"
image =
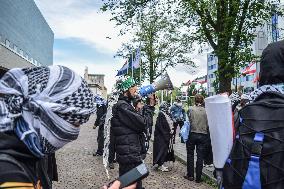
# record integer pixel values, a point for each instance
(79, 169)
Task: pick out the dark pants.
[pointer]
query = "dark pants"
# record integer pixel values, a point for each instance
(176, 124)
(124, 168)
(111, 156)
(201, 142)
(100, 140)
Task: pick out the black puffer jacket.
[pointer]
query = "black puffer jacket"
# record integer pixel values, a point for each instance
(128, 127)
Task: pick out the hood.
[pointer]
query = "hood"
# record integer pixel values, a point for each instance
(272, 64)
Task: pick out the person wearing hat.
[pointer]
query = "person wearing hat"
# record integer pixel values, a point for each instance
(128, 127)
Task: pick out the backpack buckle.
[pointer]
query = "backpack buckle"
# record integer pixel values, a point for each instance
(257, 144)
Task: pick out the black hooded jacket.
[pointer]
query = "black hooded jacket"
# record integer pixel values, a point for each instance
(18, 164)
(101, 111)
(272, 64)
(128, 127)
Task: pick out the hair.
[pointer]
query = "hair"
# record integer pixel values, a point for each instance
(199, 99)
(148, 99)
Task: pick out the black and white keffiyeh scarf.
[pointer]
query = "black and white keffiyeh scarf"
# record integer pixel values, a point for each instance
(266, 88)
(164, 108)
(111, 102)
(45, 106)
(99, 100)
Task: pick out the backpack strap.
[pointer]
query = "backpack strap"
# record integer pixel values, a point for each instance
(252, 179)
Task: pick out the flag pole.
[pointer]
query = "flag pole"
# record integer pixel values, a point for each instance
(162, 92)
(140, 71)
(132, 64)
(127, 68)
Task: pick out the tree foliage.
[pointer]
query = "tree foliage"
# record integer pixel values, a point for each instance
(156, 33)
(228, 26)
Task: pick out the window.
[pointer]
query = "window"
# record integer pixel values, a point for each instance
(7, 43)
(15, 48)
(21, 52)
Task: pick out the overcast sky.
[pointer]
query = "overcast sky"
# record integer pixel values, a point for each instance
(80, 40)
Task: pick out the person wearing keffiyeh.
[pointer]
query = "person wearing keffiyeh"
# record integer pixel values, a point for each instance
(263, 114)
(41, 109)
(162, 135)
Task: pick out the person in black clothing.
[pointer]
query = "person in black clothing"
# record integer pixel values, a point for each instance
(162, 136)
(128, 127)
(101, 111)
(143, 109)
(151, 102)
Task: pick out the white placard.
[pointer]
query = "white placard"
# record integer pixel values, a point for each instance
(219, 114)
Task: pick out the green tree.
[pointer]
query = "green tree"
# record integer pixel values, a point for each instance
(155, 32)
(228, 26)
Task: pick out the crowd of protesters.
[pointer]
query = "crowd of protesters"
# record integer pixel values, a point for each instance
(41, 109)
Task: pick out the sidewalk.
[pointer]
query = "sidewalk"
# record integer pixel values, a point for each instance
(180, 152)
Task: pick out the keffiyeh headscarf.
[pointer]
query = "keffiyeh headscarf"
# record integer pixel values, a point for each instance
(266, 88)
(111, 102)
(235, 98)
(100, 101)
(164, 107)
(45, 106)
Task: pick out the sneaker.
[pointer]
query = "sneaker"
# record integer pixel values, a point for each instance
(188, 178)
(97, 154)
(155, 167)
(163, 168)
(148, 152)
(198, 180)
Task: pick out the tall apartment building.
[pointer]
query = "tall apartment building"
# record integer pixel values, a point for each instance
(25, 37)
(212, 67)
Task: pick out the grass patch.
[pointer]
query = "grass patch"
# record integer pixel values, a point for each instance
(210, 182)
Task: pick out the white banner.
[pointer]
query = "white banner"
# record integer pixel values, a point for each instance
(219, 114)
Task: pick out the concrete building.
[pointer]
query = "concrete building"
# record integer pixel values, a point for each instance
(96, 83)
(25, 37)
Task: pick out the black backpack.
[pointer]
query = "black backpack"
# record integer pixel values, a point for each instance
(257, 157)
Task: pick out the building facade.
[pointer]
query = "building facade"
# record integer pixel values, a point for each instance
(25, 37)
(96, 83)
(212, 67)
